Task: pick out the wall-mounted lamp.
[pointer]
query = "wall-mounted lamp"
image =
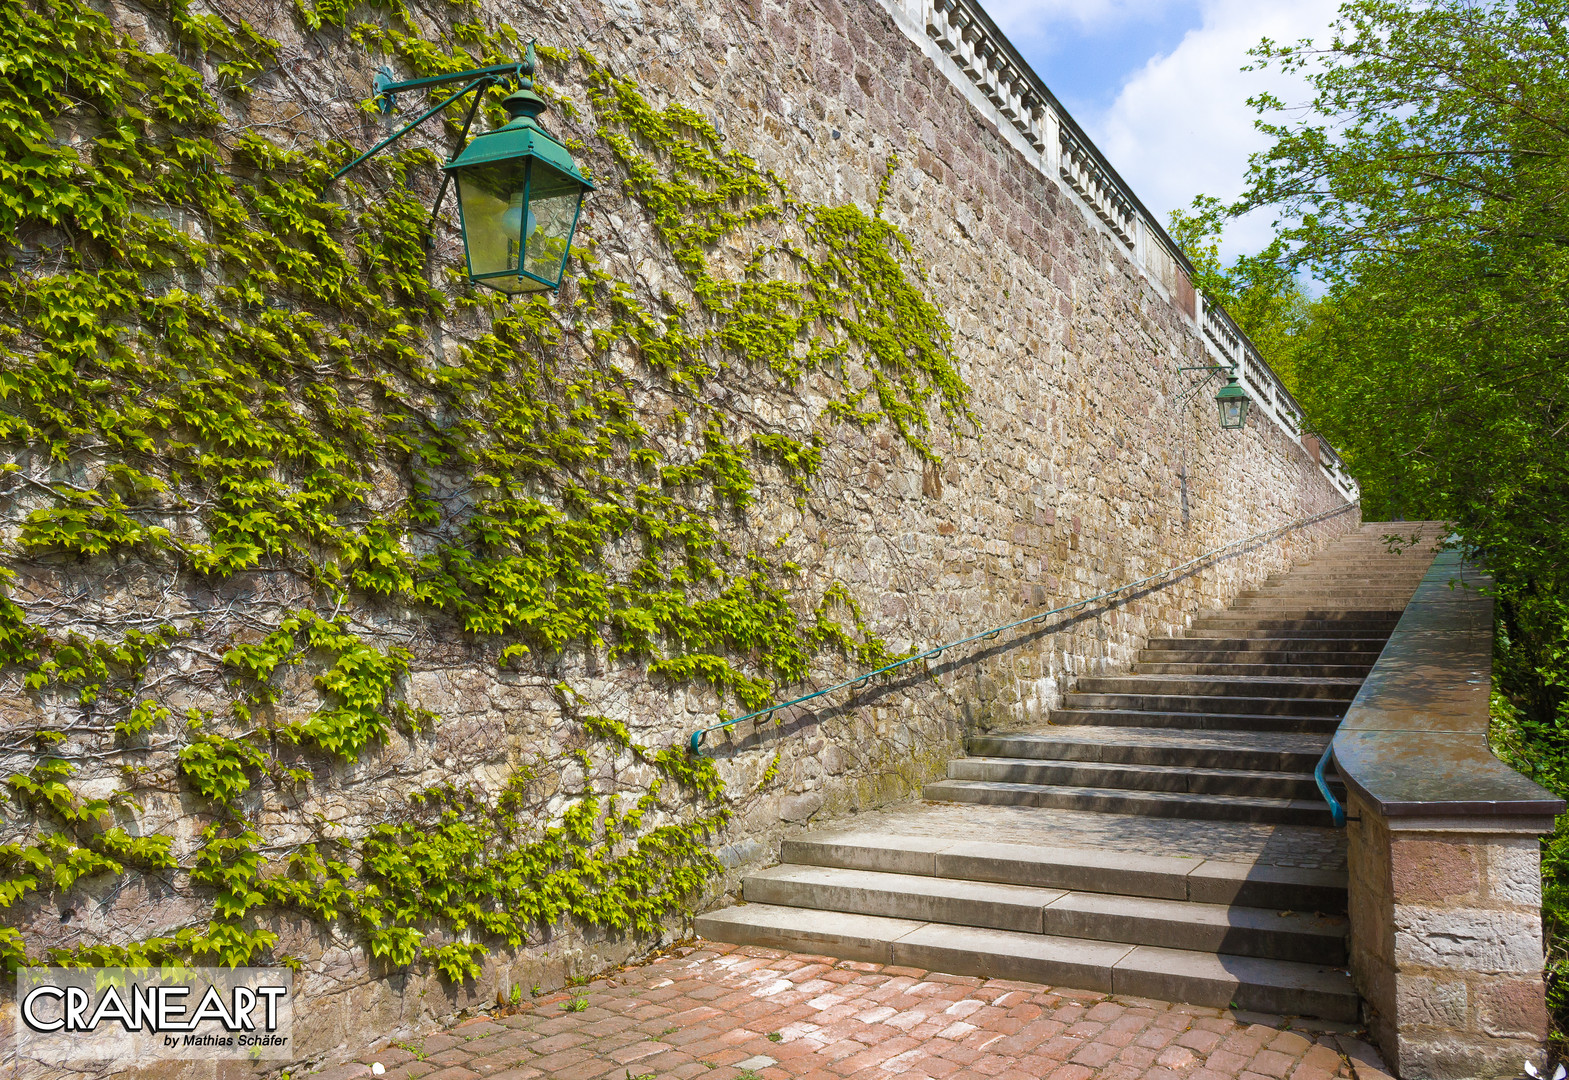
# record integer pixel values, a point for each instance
(1232, 400)
(519, 191)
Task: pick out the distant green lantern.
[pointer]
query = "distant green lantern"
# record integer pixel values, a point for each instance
(519, 194)
(1233, 402)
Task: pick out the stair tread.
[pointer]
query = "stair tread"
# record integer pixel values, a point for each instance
(1214, 915)
(1289, 741)
(1207, 699)
(1238, 680)
(1127, 793)
(947, 831)
(1069, 716)
(1217, 667)
(1114, 766)
(1110, 967)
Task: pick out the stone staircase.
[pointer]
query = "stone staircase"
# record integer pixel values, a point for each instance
(1162, 837)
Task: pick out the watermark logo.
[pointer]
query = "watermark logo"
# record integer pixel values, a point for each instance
(128, 1015)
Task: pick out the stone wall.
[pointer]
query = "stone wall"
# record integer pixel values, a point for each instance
(1069, 483)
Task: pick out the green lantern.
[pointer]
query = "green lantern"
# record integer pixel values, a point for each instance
(1233, 402)
(519, 191)
(519, 195)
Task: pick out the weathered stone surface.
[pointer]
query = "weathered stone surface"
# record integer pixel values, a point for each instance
(1424, 870)
(1467, 938)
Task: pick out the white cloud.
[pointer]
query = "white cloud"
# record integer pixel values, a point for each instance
(1181, 125)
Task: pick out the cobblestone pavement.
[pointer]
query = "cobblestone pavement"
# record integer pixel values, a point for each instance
(725, 1012)
(1229, 841)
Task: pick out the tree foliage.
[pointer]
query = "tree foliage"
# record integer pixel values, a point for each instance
(1425, 183)
(1258, 291)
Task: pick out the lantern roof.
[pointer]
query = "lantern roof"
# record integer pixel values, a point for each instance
(1230, 390)
(520, 137)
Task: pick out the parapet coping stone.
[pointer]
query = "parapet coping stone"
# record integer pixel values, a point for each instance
(1414, 740)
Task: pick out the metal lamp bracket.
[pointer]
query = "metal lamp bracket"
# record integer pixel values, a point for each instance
(386, 100)
(481, 79)
(1211, 373)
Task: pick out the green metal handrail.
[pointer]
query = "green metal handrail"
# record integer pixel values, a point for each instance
(695, 743)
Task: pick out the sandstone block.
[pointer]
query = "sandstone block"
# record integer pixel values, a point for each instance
(1514, 1007)
(1467, 939)
(1434, 870)
(1437, 1002)
(1514, 871)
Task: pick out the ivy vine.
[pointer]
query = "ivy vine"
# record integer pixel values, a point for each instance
(223, 372)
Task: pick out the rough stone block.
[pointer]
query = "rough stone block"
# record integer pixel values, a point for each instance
(1514, 871)
(1467, 939)
(1451, 1057)
(1513, 1007)
(1436, 1002)
(1423, 871)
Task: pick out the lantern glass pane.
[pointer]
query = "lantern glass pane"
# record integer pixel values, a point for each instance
(491, 199)
(553, 207)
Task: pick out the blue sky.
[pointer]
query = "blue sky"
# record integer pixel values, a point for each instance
(1158, 85)
(1087, 65)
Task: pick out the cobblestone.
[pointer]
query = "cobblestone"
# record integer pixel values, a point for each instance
(1274, 845)
(723, 1012)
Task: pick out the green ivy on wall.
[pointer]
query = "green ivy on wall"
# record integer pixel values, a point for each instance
(218, 367)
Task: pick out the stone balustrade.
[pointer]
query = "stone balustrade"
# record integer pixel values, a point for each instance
(964, 33)
(1442, 848)
(1095, 186)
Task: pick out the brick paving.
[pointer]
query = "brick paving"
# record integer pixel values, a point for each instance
(726, 1012)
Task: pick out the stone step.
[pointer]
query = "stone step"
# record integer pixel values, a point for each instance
(1245, 631)
(1219, 776)
(1270, 625)
(1220, 686)
(1304, 937)
(1330, 578)
(1341, 648)
(1314, 607)
(1157, 746)
(1207, 721)
(1265, 613)
(1209, 703)
(1210, 979)
(1255, 651)
(1255, 670)
(1256, 809)
(1379, 585)
(1202, 881)
(1333, 592)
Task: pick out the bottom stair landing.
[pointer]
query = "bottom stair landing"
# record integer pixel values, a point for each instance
(1116, 904)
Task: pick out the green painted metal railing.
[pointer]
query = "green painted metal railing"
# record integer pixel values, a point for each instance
(695, 743)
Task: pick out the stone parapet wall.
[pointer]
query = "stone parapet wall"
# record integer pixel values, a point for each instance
(1086, 468)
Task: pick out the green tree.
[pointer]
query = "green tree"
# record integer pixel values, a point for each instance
(1426, 183)
(1259, 291)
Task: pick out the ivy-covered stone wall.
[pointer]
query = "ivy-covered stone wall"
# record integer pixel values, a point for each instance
(355, 619)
